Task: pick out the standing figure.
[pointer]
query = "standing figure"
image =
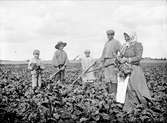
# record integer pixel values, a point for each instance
(60, 60)
(86, 62)
(110, 52)
(36, 67)
(137, 90)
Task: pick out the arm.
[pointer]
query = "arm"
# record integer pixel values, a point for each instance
(30, 65)
(66, 61)
(103, 54)
(139, 52)
(54, 59)
(122, 50)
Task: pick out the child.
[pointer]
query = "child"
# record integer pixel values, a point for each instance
(60, 60)
(86, 62)
(36, 67)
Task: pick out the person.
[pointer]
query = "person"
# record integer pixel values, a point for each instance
(36, 67)
(86, 62)
(110, 51)
(60, 60)
(137, 90)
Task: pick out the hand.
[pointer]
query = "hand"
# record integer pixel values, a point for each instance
(95, 62)
(42, 67)
(55, 67)
(123, 60)
(101, 66)
(62, 68)
(34, 66)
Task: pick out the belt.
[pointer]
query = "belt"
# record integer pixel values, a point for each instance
(135, 63)
(108, 58)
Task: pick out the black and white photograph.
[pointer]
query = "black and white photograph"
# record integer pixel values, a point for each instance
(83, 61)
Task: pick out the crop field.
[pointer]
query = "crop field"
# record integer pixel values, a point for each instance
(91, 103)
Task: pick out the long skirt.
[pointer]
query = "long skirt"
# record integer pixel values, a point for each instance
(137, 90)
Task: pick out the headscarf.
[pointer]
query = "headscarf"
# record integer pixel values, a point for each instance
(133, 39)
(132, 35)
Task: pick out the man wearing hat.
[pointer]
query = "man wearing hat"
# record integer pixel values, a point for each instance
(60, 60)
(110, 51)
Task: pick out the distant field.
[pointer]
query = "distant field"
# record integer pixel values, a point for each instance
(71, 61)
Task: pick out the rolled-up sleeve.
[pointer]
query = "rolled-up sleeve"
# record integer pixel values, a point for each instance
(29, 64)
(138, 52)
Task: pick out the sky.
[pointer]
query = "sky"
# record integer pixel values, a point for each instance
(29, 25)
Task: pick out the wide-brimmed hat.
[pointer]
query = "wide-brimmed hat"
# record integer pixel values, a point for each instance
(60, 43)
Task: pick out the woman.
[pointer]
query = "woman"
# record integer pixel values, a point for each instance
(137, 90)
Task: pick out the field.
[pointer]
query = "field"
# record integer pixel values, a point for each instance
(54, 103)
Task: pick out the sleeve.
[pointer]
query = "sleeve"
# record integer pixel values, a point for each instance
(138, 52)
(29, 64)
(122, 50)
(54, 59)
(119, 46)
(79, 59)
(117, 49)
(103, 54)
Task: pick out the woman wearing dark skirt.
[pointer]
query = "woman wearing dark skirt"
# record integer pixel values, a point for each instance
(137, 90)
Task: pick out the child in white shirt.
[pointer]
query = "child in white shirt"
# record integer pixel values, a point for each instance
(86, 62)
(36, 68)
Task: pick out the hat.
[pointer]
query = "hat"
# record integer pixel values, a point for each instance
(110, 32)
(60, 43)
(36, 51)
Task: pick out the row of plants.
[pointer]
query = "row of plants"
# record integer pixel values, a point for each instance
(85, 103)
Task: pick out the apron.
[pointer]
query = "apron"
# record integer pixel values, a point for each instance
(121, 89)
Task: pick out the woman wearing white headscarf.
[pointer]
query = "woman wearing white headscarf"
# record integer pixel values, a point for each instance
(137, 91)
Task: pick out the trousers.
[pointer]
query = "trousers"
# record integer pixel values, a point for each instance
(36, 80)
(61, 75)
